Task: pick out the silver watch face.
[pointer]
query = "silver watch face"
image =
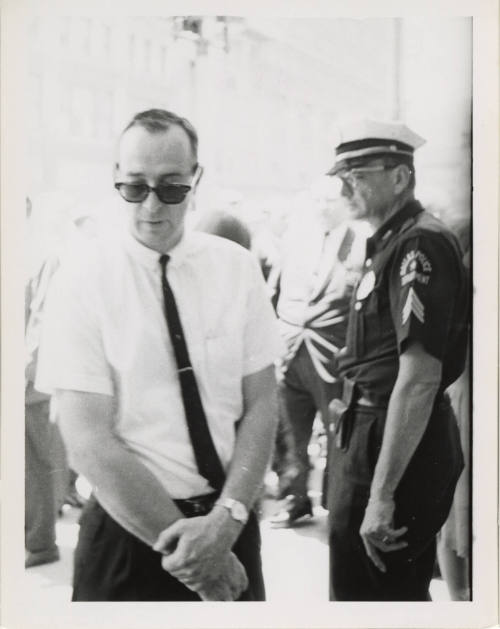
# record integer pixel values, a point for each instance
(239, 512)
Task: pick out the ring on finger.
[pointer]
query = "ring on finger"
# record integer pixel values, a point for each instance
(386, 539)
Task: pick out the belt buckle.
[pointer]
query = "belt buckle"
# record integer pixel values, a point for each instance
(198, 507)
(192, 505)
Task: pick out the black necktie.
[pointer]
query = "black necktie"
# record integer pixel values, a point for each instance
(206, 456)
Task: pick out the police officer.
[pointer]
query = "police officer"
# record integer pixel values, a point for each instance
(394, 448)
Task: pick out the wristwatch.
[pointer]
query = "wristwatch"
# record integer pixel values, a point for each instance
(236, 508)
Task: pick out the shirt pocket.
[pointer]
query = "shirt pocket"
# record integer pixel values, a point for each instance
(224, 366)
(367, 328)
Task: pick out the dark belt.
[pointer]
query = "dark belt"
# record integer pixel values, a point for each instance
(198, 505)
(341, 411)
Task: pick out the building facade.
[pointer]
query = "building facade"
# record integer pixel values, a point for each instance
(263, 94)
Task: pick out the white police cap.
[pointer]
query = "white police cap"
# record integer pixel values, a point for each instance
(367, 138)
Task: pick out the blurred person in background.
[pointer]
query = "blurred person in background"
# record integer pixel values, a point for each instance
(267, 236)
(454, 538)
(42, 463)
(322, 260)
(395, 454)
(226, 225)
(49, 483)
(159, 345)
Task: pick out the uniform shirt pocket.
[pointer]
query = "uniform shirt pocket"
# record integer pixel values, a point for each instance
(367, 329)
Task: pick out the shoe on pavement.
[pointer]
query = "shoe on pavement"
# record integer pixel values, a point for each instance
(74, 499)
(291, 512)
(41, 557)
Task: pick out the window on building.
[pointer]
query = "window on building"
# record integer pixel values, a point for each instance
(86, 35)
(64, 117)
(81, 112)
(34, 29)
(107, 39)
(131, 50)
(64, 32)
(193, 25)
(147, 54)
(103, 114)
(34, 103)
(163, 59)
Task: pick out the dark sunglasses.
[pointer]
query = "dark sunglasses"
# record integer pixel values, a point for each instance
(170, 193)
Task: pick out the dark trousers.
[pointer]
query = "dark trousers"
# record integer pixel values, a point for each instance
(301, 394)
(45, 478)
(423, 500)
(111, 564)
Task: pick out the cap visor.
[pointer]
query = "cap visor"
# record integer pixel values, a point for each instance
(334, 170)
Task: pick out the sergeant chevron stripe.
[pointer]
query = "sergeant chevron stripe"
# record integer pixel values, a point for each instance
(413, 305)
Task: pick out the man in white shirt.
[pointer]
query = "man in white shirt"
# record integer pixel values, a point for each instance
(322, 262)
(156, 528)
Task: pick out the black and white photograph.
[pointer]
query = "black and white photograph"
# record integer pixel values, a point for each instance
(257, 250)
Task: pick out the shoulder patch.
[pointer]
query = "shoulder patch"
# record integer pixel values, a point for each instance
(413, 305)
(415, 266)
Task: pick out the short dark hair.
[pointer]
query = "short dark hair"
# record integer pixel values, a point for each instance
(159, 120)
(394, 161)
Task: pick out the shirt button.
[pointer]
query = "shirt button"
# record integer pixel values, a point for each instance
(357, 305)
(368, 262)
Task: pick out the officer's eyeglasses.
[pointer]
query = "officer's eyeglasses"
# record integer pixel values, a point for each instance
(170, 193)
(354, 176)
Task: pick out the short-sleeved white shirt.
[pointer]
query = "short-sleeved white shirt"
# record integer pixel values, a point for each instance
(105, 332)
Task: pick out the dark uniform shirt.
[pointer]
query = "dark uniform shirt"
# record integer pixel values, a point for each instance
(413, 288)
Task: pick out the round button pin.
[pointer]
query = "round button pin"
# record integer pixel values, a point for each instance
(366, 285)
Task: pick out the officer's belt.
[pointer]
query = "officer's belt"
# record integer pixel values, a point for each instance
(341, 411)
(353, 394)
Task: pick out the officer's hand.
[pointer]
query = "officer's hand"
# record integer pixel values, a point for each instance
(197, 548)
(377, 531)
